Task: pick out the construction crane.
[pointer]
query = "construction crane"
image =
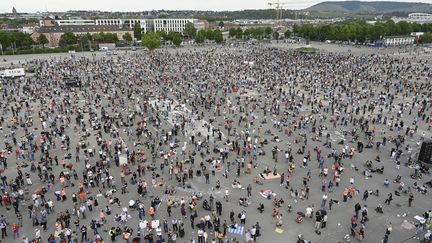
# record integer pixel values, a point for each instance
(279, 8)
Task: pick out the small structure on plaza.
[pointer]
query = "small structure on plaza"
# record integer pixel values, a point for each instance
(307, 49)
(399, 40)
(72, 82)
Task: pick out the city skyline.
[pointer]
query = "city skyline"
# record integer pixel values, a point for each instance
(133, 6)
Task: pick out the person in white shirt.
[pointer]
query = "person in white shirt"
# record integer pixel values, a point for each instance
(37, 234)
(200, 236)
(142, 227)
(253, 232)
(159, 231)
(324, 200)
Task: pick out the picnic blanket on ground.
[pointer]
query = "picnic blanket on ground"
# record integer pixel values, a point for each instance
(238, 231)
(407, 225)
(270, 176)
(267, 193)
(279, 230)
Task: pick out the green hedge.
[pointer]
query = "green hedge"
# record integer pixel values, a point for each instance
(307, 49)
(46, 50)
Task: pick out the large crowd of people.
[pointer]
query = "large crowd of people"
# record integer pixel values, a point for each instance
(213, 145)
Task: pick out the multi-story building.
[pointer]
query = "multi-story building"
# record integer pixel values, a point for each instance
(127, 22)
(399, 40)
(54, 28)
(61, 22)
(420, 18)
(175, 25)
(53, 33)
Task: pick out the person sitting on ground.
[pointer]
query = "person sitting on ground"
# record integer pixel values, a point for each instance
(267, 171)
(257, 180)
(244, 202)
(275, 171)
(236, 184)
(275, 212)
(279, 221)
(206, 205)
(367, 174)
(278, 202)
(261, 208)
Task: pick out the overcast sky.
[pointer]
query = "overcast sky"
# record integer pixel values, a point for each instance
(139, 5)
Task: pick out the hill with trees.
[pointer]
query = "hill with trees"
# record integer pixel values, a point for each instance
(371, 7)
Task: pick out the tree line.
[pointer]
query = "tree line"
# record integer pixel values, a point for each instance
(19, 40)
(153, 40)
(257, 33)
(360, 31)
(70, 38)
(15, 40)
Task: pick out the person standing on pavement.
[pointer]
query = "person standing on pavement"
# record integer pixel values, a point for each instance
(243, 217)
(410, 199)
(365, 195)
(15, 231)
(386, 238)
(324, 200)
(357, 208)
(389, 199)
(3, 229)
(364, 213)
(249, 190)
(84, 233)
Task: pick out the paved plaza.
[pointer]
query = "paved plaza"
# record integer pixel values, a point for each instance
(217, 144)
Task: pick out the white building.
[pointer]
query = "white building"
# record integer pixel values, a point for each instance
(61, 22)
(121, 22)
(167, 25)
(399, 40)
(27, 29)
(420, 18)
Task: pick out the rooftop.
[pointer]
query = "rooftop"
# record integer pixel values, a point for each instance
(82, 28)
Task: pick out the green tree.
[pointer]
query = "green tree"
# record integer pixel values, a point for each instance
(257, 33)
(405, 28)
(209, 34)
(42, 40)
(239, 33)
(426, 38)
(151, 40)
(5, 39)
(137, 31)
(232, 32)
(21, 40)
(89, 36)
(376, 32)
(247, 34)
(287, 34)
(221, 24)
(164, 35)
(200, 36)
(390, 28)
(97, 38)
(127, 37)
(68, 38)
(175, 38)
(218, 36)
(297, 29)
(190, 30)
(276, 35)
(109, 37)
(268, 31)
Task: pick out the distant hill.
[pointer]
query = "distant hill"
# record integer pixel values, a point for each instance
(371, 7)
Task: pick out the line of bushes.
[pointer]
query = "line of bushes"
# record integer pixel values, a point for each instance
(46, 50)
